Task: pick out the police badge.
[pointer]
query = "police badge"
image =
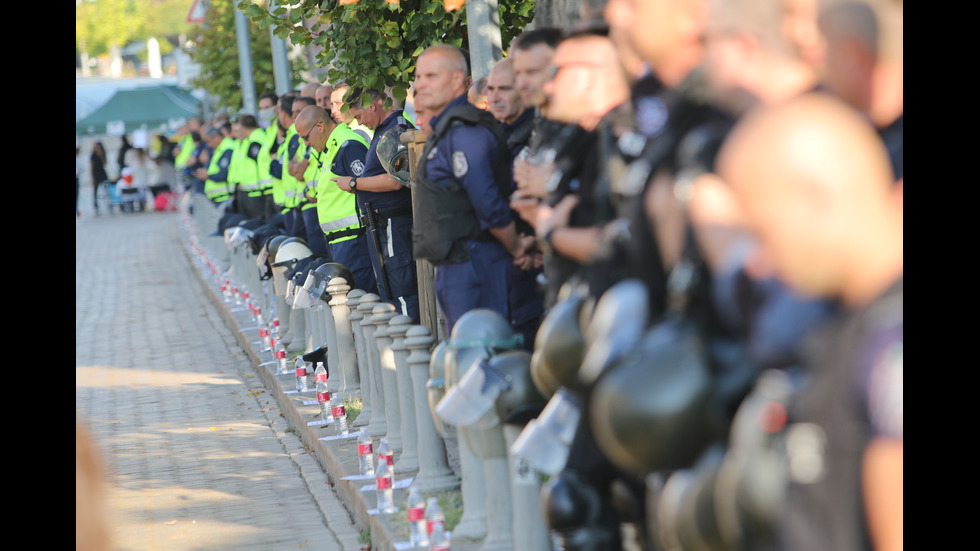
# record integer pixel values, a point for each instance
(357, 167)
(460, 165)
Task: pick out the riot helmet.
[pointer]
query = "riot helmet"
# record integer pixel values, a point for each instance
(393, 154)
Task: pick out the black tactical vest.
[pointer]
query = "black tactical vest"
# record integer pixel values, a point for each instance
(446, 218)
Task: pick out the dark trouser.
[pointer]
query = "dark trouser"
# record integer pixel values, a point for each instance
(299, 227)
(315, 239)
(526, 304)
(483, 281)
(354, 254)
(253, 206)
(395, 237)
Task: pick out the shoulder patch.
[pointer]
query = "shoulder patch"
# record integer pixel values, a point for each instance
(651, 116)
(460, 165)
(357, 167)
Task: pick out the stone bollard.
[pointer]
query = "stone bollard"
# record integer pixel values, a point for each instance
(378, 425)
(297, 340)
(492, 459)
(324, 313)
(434, 474)
(314, 331)
(408, 462)
(381, 314)
(355, 317)
(529, 528)
(345, 369)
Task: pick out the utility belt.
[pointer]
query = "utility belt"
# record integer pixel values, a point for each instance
(382, 216)
(348, 232)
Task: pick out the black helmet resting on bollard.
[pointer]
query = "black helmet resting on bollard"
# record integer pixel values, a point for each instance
(559, 348)
(299, 276)
(290, 251)
(519, 400)
(436, 385)
(314, 287)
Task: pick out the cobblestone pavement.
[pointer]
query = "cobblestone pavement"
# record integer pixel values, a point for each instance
(198, 454)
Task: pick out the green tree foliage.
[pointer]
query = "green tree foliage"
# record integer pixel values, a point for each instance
(101, 24)
(216, 51)
(375, 43)
(106, 23)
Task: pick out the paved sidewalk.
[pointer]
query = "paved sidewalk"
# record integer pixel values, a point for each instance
(200, 457)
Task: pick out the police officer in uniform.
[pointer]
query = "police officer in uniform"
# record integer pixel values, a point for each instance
(304, 211)
(338, 151)
(846, 425)
(287, 143)
(251, 138)
(216, 175)
(517, 123)
(389, 203)
(464, 181)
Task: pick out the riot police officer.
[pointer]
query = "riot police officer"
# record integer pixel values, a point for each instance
(387, 203)
(463, 184)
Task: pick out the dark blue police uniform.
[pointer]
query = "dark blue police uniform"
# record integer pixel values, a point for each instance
(352, 253)
(393, 213)
(465, 156)
(526, 299)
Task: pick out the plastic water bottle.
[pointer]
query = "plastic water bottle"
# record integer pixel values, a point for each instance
(339, 414)
(434, 518)
(385, 455)
(439, 540)
(418, 534)
(266, 339)
(365, 452)
(386, 490)
(322, 396)
(280, 354)
(302, 384)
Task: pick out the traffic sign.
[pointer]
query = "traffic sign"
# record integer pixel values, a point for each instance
(196, 13)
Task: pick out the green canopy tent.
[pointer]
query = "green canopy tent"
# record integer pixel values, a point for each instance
(162, 108)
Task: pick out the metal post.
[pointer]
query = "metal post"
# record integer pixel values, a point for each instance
(245, 63)
(483, 22)
(280, 59)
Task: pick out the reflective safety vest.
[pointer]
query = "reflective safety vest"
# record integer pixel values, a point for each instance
(336, 209)
(216, 187)
(310, 178)
(291, 187)
(267, 181)
(186, 148)
(248, 170)
(362, 130)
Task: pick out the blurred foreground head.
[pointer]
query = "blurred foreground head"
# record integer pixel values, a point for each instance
(815, 185)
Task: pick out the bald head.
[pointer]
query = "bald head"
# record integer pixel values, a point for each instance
(309, 89)
(322, 96)
(440, 76)
(314, 125)
(503, 98)
(814, 182)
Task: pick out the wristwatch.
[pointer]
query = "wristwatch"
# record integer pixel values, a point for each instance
(353, 184)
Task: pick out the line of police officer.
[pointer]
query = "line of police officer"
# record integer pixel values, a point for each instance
(656, 349)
